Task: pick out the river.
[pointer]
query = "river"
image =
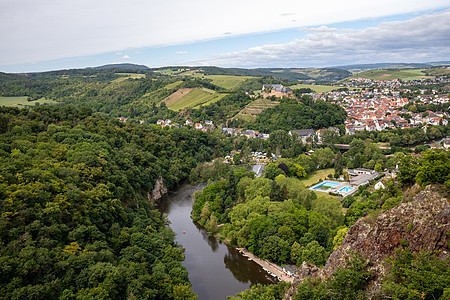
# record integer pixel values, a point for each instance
(215, 269)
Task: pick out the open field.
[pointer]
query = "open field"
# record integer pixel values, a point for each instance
(173, 85)
(254, 108)
(127, 76)
(319, 88)
(185, 98)
(406, 74)
(227, 81)
(22, 101)
(438, 72)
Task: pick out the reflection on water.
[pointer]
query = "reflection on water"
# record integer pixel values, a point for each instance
(241, 267)
(215, 270)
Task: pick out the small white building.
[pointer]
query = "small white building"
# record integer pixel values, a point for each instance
(379, 185)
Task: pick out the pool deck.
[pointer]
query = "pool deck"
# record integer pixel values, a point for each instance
(336, 188)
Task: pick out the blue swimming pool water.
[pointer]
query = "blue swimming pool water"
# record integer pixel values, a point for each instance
(327, 183)
(346, 189)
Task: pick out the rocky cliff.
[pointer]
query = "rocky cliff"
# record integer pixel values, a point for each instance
(159, 190)
(422, 224)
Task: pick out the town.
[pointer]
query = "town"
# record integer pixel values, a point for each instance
(374, 109)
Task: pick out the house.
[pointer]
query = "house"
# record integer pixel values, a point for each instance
(360, 171)
(249, 134)
(379, 185)
(189, 123)
(290, 271)
(303, 134)
(446, 143)
(198, 126)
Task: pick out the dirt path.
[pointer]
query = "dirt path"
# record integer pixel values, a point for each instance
(269, 267)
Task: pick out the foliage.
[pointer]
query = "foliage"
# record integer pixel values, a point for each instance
(76, 220)
(263, 292)
(290, 116)
(414, 276)
(432, 168)
(273, 218)
(346, 283)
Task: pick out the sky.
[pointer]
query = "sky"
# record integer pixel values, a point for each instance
(62, 34)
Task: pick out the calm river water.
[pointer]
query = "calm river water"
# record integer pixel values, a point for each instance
(215, 270)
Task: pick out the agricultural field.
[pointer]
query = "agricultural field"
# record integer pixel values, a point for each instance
(406, 74)
(319, 88)
(254, 108)
(184, 98)
(437, 72)
(22, 101)
(227, 81)
(128, 76)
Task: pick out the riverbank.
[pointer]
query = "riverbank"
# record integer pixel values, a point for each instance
(267, 266)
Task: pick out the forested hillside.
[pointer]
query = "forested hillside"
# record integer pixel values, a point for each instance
(77, 220)
(292, 115)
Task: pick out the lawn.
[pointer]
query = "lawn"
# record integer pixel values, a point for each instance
(22, 101)
(319, 88)
(314, 177)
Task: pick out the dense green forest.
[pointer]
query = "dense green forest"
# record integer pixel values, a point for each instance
(76, 218)
(292, 115)
(276, 219)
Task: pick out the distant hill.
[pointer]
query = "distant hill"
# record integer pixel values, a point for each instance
(122, 66)
(368, 67)
(290, 74)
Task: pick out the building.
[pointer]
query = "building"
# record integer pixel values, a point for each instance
(303, 134)
(276, 90)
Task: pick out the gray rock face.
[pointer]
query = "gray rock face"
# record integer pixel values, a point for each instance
(160, 189)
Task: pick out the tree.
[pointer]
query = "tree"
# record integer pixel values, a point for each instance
(338, 164)
(205, 212)
(339, 237)
(275, 192)
(314, 253)
(212, 224)
(271, 171)
(434, 167)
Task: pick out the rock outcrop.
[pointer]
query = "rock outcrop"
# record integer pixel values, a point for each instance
(421, 224)
(160, 189)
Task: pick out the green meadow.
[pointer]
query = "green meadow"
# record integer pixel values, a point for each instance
(405, 74)
(227, 81)
(319, 88)
(22, 101)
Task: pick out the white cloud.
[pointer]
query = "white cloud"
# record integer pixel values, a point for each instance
(182, 52)
(118, 53)
(424, 38)
(125, 57)
(55, 29)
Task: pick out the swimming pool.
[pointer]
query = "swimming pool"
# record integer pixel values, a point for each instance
(346, 189)
(326, 185)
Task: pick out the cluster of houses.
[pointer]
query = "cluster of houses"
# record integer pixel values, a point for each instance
(379, 113)
(394, 83)
(205, 126)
